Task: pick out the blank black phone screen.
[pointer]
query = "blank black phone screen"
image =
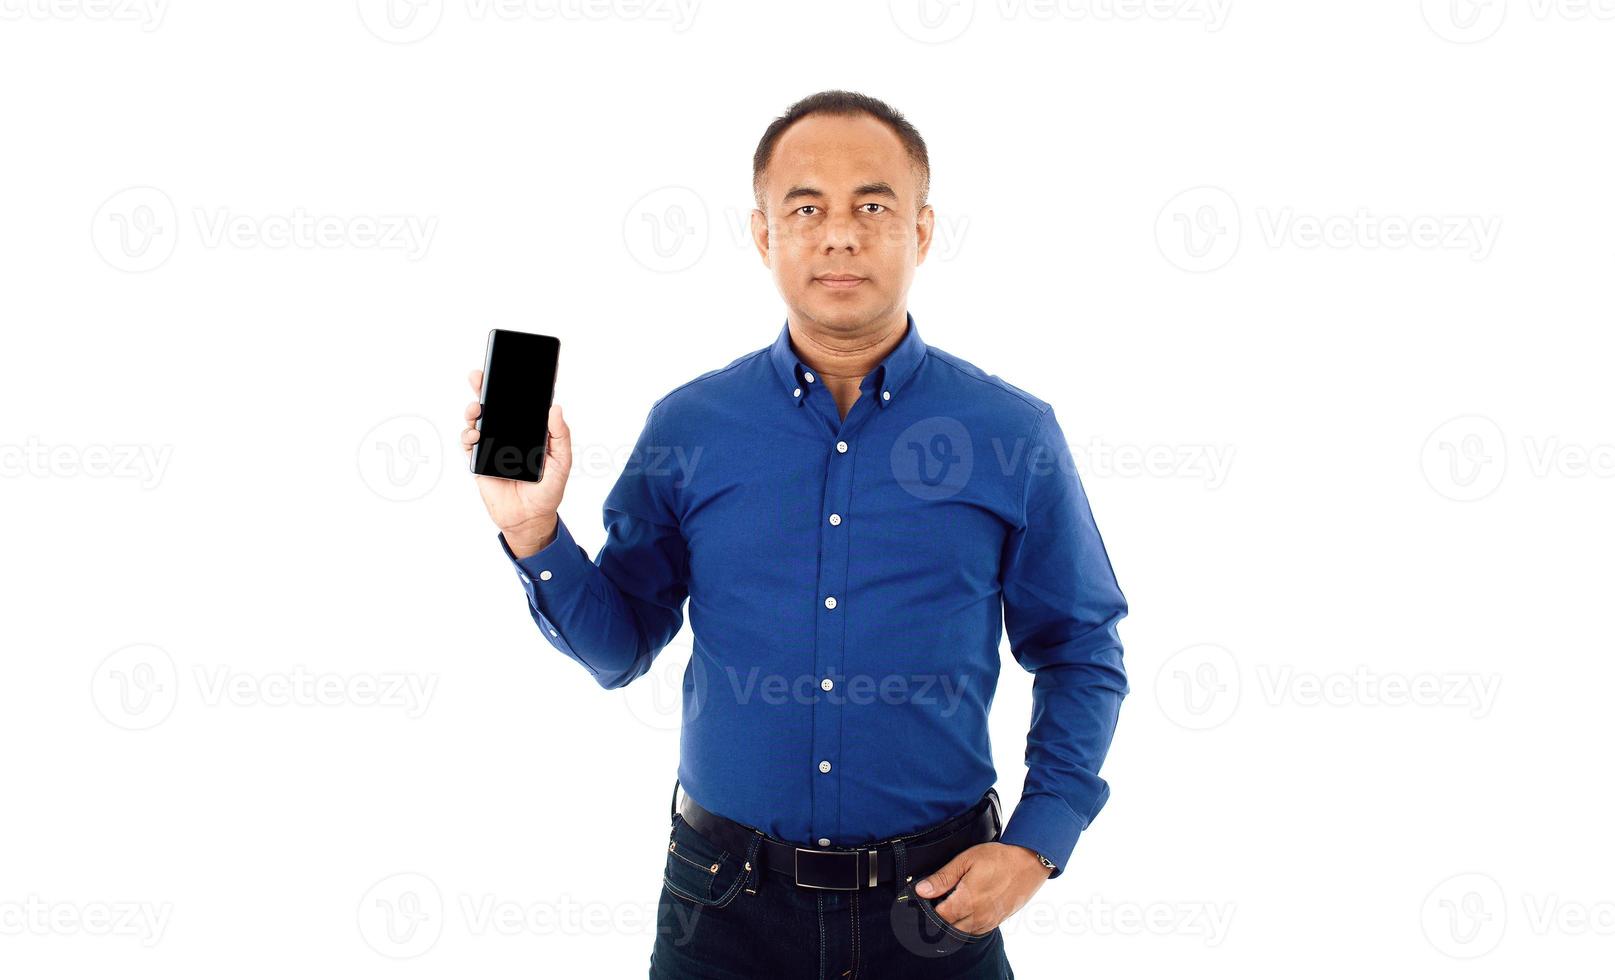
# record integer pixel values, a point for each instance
(518, 384)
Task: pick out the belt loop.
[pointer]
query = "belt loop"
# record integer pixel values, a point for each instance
(673, 807)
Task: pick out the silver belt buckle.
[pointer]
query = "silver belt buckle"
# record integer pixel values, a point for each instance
(796, 870)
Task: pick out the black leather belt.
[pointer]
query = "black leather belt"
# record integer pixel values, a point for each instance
(849, 869)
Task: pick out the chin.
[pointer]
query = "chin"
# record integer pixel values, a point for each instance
(842, 314)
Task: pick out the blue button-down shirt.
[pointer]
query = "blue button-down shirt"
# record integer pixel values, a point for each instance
(848, 581)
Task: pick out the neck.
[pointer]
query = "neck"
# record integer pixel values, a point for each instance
(845, 357)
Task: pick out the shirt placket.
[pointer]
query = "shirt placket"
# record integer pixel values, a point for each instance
(831, 634)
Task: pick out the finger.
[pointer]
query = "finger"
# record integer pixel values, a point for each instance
(476, 380)
(469, 437)
(473, 411)
(941, 879)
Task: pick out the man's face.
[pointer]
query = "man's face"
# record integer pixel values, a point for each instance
(841, 199)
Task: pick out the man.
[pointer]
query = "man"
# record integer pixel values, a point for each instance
(854, 516)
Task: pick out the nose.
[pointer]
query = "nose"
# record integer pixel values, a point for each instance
(840, 232)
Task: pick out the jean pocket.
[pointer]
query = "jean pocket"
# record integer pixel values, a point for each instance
(699, 871)
(928, 908)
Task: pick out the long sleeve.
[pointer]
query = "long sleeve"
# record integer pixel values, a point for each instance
(614, 614)
(1061, 610)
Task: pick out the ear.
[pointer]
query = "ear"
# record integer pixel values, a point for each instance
(759, 235)
(924, 226)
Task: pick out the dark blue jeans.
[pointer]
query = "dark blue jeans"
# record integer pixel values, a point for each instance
(722, 917)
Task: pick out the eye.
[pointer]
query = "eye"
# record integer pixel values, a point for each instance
(872, 204)
(805, 207)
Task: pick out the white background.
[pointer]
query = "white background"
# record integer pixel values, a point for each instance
(1178, 222)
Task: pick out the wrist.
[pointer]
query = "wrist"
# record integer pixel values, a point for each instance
(1042, 862)
(530, 537)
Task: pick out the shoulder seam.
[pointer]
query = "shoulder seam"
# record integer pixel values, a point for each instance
(1000, 384)
(715, 373)
(1026, 458)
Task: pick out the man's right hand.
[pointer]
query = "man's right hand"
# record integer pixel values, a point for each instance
(524, 511)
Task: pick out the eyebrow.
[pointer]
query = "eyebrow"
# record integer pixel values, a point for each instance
(862, 190)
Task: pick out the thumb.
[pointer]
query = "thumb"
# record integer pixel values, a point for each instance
(942, 879)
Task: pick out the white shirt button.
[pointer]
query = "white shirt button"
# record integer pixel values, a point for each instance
(797, 393)
(841, 447)
(545, 575)
(835, 520)
(824, 842)
(824, 766)
(829, 602)
(552, 632)
(886, 395)
(827, 683)
(525, 579)
(808, 375)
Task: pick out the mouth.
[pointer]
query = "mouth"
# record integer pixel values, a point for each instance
(840, 282)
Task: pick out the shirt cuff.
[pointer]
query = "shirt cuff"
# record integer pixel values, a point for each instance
(560, 565)
(1047, 826)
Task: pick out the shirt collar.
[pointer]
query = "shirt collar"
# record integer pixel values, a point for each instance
(887, 378)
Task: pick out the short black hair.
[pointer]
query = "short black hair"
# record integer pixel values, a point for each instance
(839, 102)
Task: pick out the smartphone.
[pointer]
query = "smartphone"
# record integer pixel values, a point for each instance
(518, 385)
